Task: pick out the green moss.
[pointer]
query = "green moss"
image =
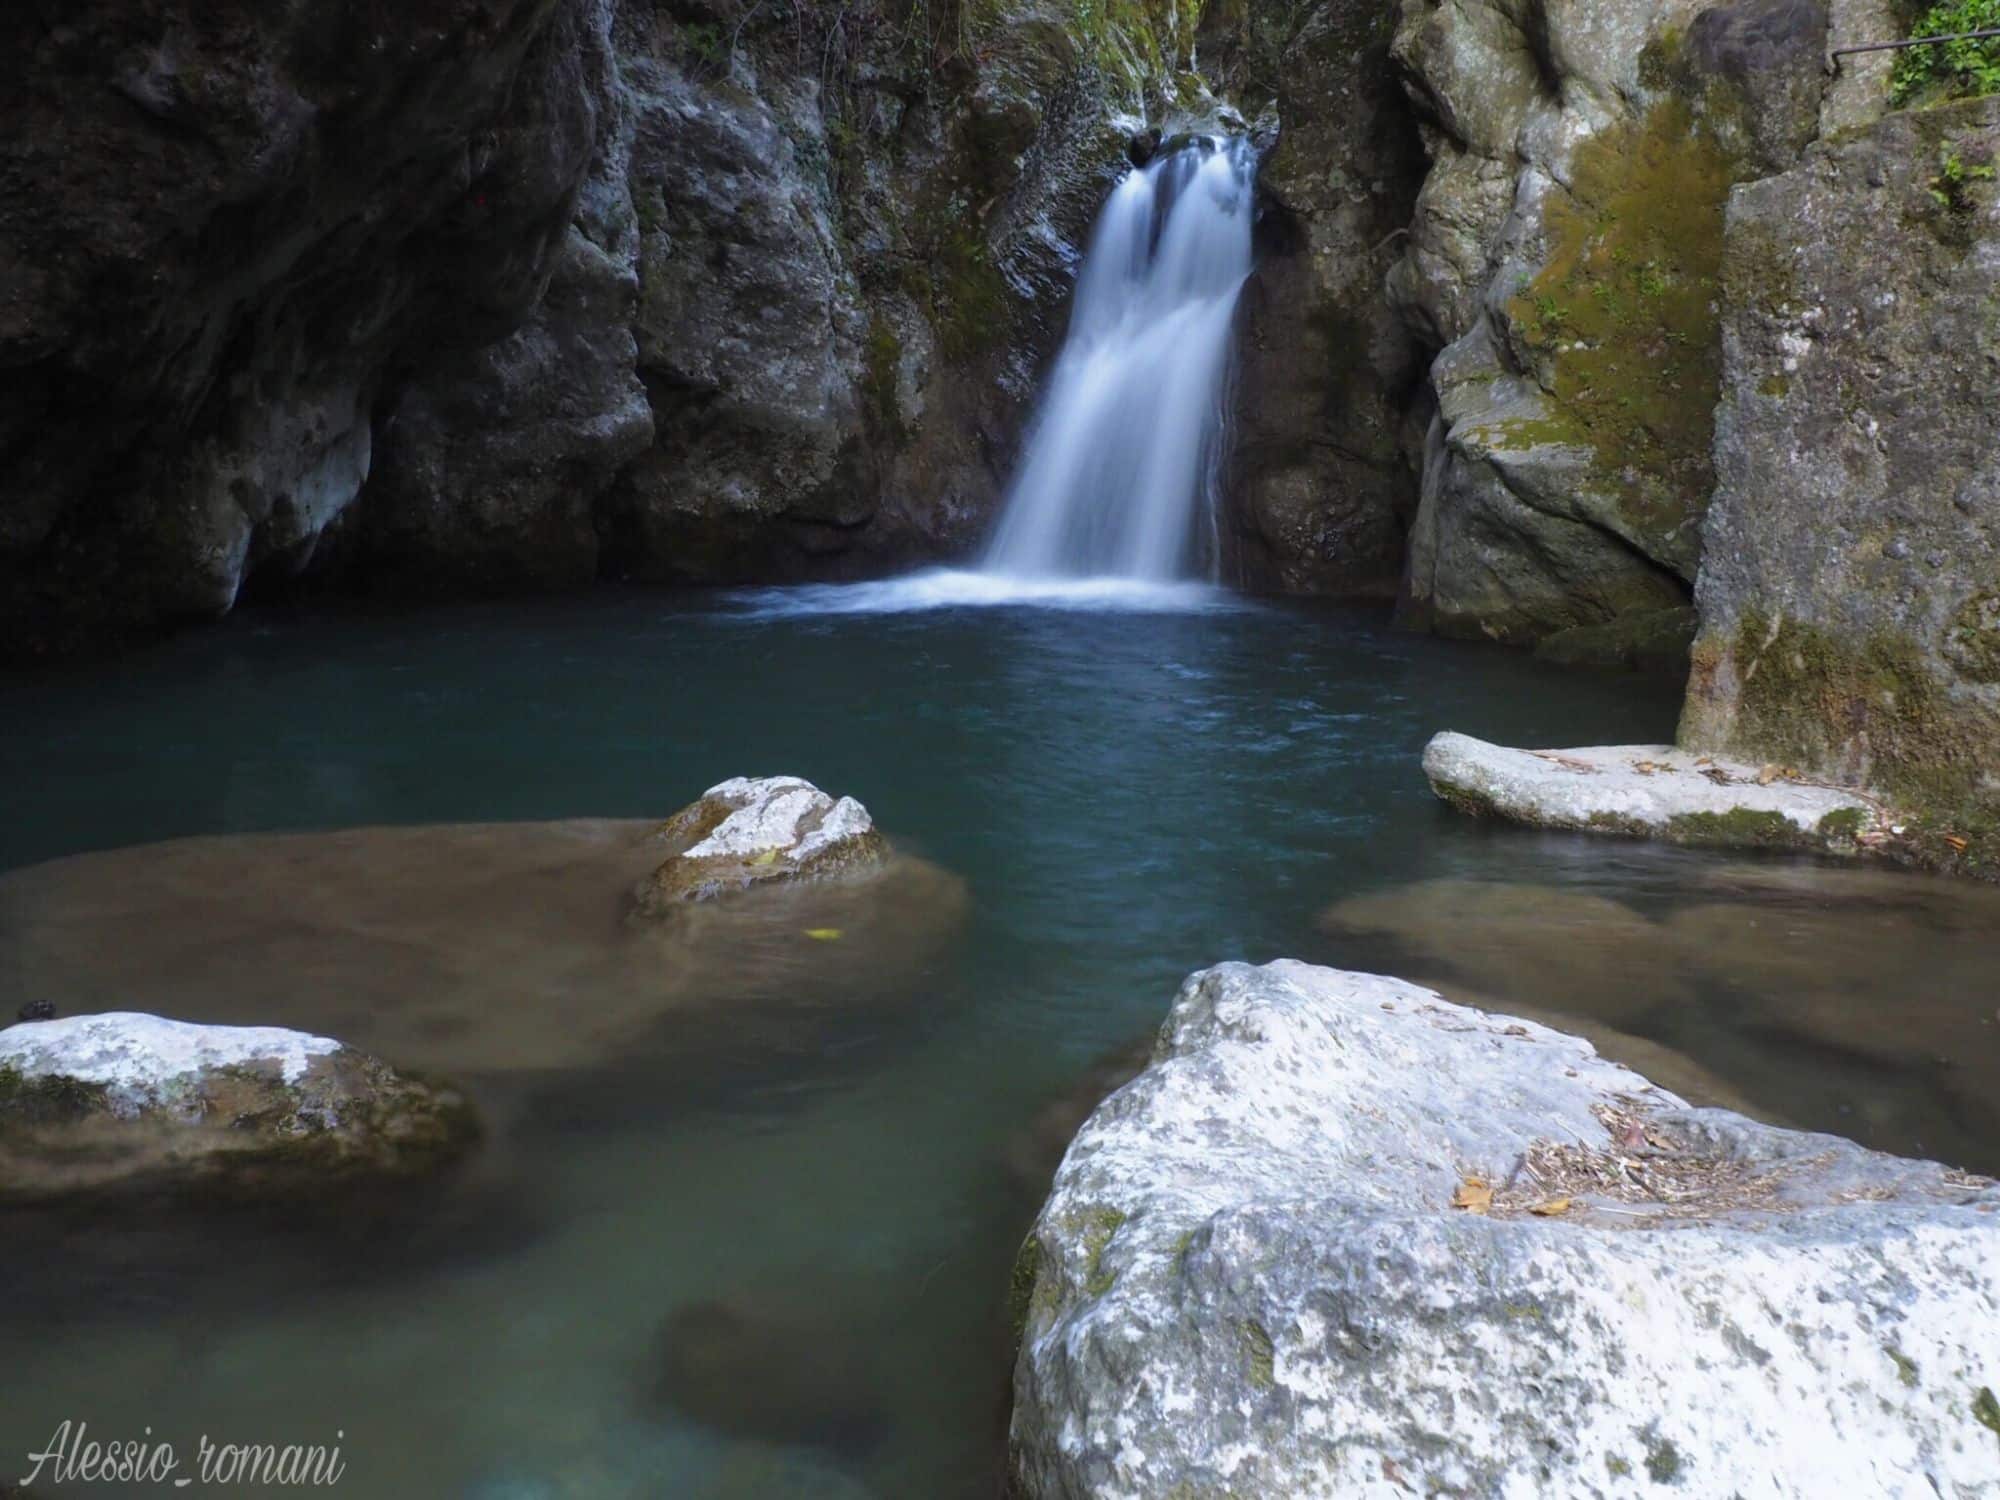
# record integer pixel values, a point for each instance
(1986, 1409)
(1777, 387)
(1099, 1226)
(970, 294)
(1622, 322)
(1810, 698)
(1972, 639)
(47, 1100)
(1906, 1368)
(1739, 828)
(1021, 1283)
(882, 359)
(1260, 1355)
(1663, 1461)
(1843, 825)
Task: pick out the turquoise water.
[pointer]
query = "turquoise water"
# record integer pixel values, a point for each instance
(761, 1248)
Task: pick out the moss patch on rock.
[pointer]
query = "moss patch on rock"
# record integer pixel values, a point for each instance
(1621, 325)
(1877, 710)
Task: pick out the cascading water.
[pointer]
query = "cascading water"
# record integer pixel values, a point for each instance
(1113, 506)
(1120, 472)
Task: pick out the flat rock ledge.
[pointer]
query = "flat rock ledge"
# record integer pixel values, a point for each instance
(752, 831)
(129, 1101)
(1654, 792)
(1344, 1238)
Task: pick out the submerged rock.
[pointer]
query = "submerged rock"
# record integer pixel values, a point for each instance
(1649, 791)
(124, 1100)
(1344, 1237)
(754, 1369)
(756, 830)
(469, 949)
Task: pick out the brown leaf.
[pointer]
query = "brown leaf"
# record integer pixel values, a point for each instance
(1956, 842)
(1766, 776)
(1474, 1195)
(1551, 1208)
(1719, 776)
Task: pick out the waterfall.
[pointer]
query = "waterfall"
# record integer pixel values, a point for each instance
(1120, 472)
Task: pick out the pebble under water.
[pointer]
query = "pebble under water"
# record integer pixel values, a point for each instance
(753, 1239)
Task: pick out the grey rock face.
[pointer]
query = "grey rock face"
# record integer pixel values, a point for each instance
(225, 229)
(1848, 616)
(1324, 478)
(1572, 309)
(1251, 1276)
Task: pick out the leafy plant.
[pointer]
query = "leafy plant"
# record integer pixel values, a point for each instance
(1952, 187)
(1950, 70)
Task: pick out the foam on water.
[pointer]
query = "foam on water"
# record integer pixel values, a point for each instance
(951, 588)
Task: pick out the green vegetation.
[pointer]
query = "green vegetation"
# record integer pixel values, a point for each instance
(1951, 70)
(1100, 1225)
(1810, 698)
(882, 359)
(1951, 188)
(1622, 322)
(1261, 1355)
(1906, 1368)
(1986, 1409)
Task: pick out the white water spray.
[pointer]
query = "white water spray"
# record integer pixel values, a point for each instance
(1120, 473)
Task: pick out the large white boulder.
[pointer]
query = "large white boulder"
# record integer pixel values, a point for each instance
(1344, 1238)
(130, 1101)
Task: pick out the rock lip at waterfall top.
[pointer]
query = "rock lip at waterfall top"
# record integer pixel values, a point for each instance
(756, 830)
(123, 1100)
(1343, 1238)
(1652, 791)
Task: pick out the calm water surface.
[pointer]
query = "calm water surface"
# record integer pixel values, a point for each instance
(758, 1247)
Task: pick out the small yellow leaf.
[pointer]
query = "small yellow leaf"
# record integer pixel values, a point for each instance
(768, 857)
(825, 934)
(1551, 1208)
(1473, 1195)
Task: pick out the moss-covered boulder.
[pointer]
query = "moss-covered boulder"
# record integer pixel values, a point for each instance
(755, 831)
(124, 1101)
(1566, 256)
(1849, 623)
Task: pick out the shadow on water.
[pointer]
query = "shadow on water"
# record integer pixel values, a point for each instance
(743, 1221)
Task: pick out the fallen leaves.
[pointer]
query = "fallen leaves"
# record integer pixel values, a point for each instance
(825, 934)
(1474, 1195)
(1550, 1208)
(1958, 844)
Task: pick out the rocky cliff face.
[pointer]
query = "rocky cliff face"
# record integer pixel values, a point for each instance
(1564, 260)
(1850, 597)
(453, 296)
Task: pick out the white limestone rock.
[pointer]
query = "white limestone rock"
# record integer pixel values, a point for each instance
(1650, 791)
(124, 1100)
(1250, 1277)
(753, 830)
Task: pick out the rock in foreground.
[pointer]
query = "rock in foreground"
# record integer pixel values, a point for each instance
(755, 830)
(1649, 791)
(1344, 1238)
(125, 1100)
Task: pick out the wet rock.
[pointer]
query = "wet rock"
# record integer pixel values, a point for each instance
(1034, 1151)
(759, 830)
(1258, 1270)
(1570, 951)
(127, 1101)
(1649, 791)
(463, 948)
(38, 1010)
(1322, 484)
(757, 1369)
